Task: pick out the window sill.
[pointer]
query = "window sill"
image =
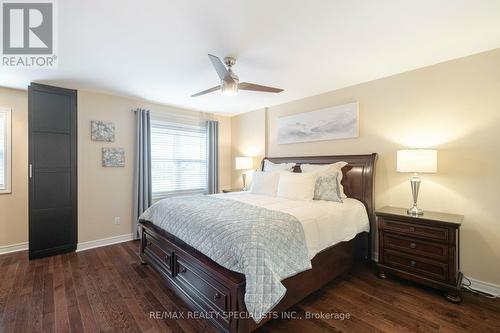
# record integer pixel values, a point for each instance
(164, 195)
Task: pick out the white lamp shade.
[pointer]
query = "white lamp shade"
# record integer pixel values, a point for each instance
(417, 160)
(244, 163)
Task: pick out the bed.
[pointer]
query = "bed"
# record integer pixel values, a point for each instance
(219, 293)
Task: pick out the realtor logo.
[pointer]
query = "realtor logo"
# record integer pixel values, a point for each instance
(28, 32)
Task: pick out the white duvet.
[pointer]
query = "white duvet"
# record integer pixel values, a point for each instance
(325, 223)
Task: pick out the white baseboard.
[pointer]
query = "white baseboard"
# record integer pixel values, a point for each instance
(485, 287)
(80, 247)
(104, 242)
(13, 248)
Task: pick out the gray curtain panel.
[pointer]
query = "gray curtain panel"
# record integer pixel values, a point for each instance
(143, 197)
(213, 156)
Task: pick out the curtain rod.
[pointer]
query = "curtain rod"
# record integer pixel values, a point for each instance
(200, 116)
(205, 114)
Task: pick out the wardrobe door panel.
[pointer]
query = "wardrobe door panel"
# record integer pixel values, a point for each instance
(51, 111)
(51, 150)
(49, 234)
(52, 190)
(52, 170)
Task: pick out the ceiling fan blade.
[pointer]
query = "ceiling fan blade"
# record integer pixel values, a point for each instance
(257, 87)
(206, 91)
(220, 68)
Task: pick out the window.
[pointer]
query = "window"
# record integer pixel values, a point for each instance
(5, 150)
(178, 159)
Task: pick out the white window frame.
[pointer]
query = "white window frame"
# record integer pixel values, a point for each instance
(165, 194)
(7, 151)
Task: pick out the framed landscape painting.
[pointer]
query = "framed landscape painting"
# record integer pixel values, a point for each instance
(337, 122)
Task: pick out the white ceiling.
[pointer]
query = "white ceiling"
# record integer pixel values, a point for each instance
(157, 50)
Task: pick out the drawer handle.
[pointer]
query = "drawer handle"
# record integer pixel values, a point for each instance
(412, 263)
(216, 296)
(412, 229)
(413, 245)
(183, 269)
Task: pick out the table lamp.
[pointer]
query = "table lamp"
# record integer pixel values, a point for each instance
(416, 161)
(244, 163)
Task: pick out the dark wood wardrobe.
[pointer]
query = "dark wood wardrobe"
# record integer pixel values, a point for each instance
(52, 170)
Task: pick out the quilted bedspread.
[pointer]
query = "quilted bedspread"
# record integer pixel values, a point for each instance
(266, 246)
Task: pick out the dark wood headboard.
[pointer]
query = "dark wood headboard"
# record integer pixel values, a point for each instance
(358, 176)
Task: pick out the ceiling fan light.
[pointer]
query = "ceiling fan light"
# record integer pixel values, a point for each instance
(229, 88)
(229, 93)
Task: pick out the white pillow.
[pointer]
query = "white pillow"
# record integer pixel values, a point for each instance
(265, 183)
(270, 166)
(299, 186)
(325, 169)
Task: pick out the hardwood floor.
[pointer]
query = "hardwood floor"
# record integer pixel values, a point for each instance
(107, 290)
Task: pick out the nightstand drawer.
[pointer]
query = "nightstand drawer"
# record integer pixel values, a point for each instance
(417, 247)
(422, 266)
(417, 230)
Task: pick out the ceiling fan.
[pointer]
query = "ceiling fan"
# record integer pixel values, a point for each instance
(229, 82)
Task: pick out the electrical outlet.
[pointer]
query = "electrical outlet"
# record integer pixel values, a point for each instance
(117, 220)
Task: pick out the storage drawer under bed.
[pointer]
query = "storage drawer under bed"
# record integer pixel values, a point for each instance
(159, 252)
(210, 297)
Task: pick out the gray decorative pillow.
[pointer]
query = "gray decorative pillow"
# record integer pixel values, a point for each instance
(328, 188)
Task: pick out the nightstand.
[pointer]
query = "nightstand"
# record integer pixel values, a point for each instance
(232, 190)
(423, 249)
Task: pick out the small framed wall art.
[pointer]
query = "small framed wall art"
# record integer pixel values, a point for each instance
(102, 131)
(113, 157)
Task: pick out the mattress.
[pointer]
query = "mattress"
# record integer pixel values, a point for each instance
(325, 223)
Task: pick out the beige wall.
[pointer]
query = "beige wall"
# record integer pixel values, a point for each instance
(103, 193)
(248, 138)
(14, 206)
(107, 192)
(454, 107)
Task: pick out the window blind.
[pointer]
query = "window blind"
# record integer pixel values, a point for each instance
(178, 159)
(3, 140)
